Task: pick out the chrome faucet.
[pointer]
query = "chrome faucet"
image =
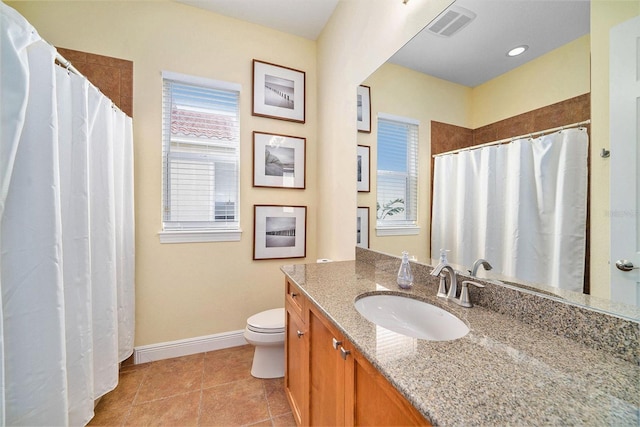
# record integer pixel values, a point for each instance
(453, 279)
(464, 300)
(477, 264)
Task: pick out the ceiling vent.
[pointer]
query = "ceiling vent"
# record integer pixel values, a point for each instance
(451, 21)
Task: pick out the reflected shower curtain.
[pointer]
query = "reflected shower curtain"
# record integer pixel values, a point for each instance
(522, 206)
(66, 242)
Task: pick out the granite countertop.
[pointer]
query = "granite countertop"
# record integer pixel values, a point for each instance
(503, 372)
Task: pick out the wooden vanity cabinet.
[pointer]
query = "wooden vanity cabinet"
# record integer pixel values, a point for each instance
(376, 402)
(329, 362)
(296, 350)
(339, 385)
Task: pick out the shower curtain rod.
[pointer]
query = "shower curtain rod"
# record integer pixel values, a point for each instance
(66, 64)
(69, 66)
(513, 138)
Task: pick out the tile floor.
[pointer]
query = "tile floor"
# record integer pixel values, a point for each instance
(206, 389)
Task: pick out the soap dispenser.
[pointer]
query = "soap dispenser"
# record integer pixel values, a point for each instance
(442, 289)
(443, 256)
(405, 278)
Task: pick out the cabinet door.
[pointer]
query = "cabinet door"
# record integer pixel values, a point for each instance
(326, 373)
(375, 401)
(296, 367)
(294, 298)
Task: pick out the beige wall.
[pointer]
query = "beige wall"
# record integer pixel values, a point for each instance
(556, 76)
(189, 290)
(403, 92)
(361, 36)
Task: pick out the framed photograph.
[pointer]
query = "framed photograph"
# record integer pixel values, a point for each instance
(364, 109)
(363, 168)
(362, 239)
(278, 92)
(278, 160)
(279, 232)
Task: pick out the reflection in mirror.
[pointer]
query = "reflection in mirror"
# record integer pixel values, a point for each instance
(461, 86)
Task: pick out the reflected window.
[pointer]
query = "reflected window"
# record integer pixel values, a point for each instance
(397, 171)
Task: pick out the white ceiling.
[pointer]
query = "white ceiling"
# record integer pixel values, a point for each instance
(478, 52)
(472, 56)
(305, 18)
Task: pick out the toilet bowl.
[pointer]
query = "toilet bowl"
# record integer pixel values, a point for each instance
(265, 331)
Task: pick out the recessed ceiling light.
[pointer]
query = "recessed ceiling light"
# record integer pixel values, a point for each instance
(517, 50)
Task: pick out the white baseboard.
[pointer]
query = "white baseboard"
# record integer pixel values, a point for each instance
(167, 350)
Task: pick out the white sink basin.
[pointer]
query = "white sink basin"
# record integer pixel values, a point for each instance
(411, 317)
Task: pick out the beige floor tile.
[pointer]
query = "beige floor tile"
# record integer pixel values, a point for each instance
(284, 420)
(107, 416)
(170, 377)
(180, 410)
(225, 366)
(265, 423)
(214, 388)
(277, 399)
(123, 395)
(238, 403)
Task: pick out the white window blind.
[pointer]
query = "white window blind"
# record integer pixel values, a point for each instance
(201, 152)
(397, 171)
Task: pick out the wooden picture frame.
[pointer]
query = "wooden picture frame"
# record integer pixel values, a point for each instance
(363, 168)
(362, 236)
(278, 92)
(364, 109)
(279, 161)
(279, 232)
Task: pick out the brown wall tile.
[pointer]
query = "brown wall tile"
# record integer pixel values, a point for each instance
(445, 137)
(113, 76)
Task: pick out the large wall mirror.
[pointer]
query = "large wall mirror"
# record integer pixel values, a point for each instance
(442, 76)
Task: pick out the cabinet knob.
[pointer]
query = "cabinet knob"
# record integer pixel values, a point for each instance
(336, 343)
(294, 294)
(344, 353)
(300, 334)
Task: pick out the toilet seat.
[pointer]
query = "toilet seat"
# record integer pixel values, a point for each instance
(267, 322)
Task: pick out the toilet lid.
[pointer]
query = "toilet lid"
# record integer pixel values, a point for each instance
(267, 322)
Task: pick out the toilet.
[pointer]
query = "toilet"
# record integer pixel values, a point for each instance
(265, 331)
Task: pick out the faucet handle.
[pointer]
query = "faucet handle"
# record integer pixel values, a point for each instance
(465, 301)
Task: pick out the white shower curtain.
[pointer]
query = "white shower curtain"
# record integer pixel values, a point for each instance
(66, 242)
(522, 206)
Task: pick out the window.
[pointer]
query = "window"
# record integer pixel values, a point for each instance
(397, 175)
(201, 158)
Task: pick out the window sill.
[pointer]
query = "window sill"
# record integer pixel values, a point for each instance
(397, 230)
(199, 236)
